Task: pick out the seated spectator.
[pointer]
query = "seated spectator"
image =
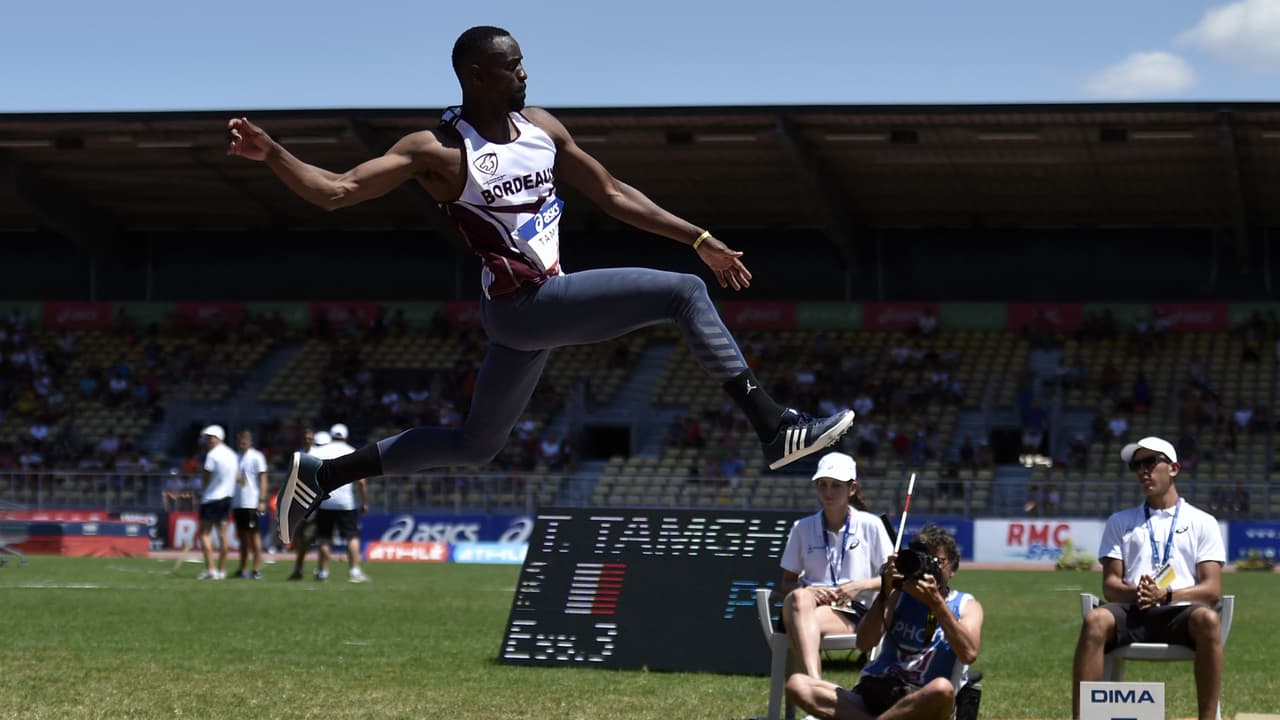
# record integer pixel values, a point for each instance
(926, 323)
(968, 454)
(818, 589)
(863, 405)
(868, 434)
(731, 466)
(1141, 393)
(1052, 499)
(1198, 376)
(1109, 380)
(900, 353)
(1035, 498)
(1078, 453)
(1118, 426)
(901, 444)
(38, 433)
(550, 451)
(1243, 415)
(691, 433)
(176, 495)
(1140, 609)
(1034, 425)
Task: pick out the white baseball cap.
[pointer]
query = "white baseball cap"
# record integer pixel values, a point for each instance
(1152, 443)
(215, 431)
(338, 431)
(837, 465)
(321, 438)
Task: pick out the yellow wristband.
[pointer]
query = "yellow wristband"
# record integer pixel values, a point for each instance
(705, 234)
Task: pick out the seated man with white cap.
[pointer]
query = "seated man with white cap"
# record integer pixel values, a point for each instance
(831, 563)
(1161, 576)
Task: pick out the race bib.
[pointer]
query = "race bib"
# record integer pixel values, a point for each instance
(541, 233)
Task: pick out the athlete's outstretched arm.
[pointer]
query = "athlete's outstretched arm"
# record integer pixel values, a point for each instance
(330, 190)
(620, 200)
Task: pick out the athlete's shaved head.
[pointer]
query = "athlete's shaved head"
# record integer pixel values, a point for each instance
(473, 42)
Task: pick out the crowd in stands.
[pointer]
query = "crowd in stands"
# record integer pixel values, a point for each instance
(49, 378)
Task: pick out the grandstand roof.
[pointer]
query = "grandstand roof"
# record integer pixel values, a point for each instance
(94, 176)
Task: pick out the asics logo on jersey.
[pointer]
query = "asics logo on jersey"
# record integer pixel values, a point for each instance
(487, 163)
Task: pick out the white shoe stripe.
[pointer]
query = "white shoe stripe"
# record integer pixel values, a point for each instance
(304, 493)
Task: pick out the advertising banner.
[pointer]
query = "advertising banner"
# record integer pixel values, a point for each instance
(144, 314)
(747, 315)
(462, 314)
(448, 529)
(1124, 314)
(74, 516)
(183, 527)
(1047, 317)
(972, 316)
(490, 553)
(416, 314)
(894, 315)
(72, 315)
(1245, 537)
(29, 310)
(1197, 317)
(429, 552)
(292, 314)
(190, 315)
(1033, 540)
(828, 316)
(340, 312)
(1241, 313)
(961, 529)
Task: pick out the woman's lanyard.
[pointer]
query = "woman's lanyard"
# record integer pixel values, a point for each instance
(835, 568)
(1168, 541)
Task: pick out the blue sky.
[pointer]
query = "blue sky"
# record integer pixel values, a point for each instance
(90, 55)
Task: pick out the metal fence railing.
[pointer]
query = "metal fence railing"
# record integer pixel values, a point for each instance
(521, 493)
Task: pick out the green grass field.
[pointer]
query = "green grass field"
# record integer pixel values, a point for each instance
(124, 638)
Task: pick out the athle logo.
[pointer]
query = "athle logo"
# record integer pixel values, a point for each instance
(487, 163)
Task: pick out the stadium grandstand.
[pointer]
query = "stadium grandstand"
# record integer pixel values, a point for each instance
(1007, 294)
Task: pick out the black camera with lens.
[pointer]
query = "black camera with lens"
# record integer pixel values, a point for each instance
(916, 561)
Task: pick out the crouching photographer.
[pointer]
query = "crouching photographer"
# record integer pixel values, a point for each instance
(928, 627)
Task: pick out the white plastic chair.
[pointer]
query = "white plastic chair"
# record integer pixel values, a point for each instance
(1113, 662)
(780, 654)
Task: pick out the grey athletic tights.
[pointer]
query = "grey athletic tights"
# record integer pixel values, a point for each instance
(575, 309)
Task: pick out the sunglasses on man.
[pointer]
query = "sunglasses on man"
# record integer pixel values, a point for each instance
(1147, 463)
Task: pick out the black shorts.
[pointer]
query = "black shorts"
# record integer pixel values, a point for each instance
(881, 692)
(1160, 624)
(216, 511)
(345, 520)
(247, 519)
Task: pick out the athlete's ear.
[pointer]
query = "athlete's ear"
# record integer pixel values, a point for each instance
(471, 75)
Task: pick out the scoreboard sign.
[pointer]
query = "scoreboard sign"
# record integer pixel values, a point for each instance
(646, 588)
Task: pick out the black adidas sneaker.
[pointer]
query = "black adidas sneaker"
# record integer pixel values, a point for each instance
(300, 496)
(801, 435)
